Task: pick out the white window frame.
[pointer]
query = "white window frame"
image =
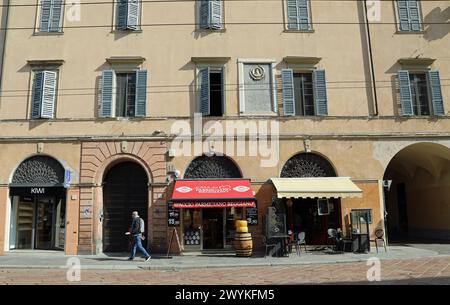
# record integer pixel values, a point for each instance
(35, 69)
(286, 19)
(243, 61)
(213, 67)
(116, 18)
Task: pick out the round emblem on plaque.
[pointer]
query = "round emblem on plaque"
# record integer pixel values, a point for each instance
(257, 73)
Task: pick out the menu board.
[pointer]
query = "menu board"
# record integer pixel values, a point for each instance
(173, 216)
(252, 216)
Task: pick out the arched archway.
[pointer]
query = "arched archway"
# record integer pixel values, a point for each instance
(205, 167)
(418, 199)
(302, 213)
(38, 204)
(125, 189)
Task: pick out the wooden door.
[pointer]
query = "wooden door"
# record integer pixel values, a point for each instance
(125, 190)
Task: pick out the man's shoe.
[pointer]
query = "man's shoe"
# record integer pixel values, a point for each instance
(130, 258)
(148, 258)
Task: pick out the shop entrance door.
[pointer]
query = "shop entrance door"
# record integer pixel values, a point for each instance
(44, 222)
(213, 228)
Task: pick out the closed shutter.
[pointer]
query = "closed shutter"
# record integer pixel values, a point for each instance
(320, 92)
(436, 93)
(133, 15)
(141, 93)
(405, 92)
(215, 14)
(292, 15)
(414, 15)
(108, 93)
(303, 15)
(48, 94)
(287, 81)
(122, 14)
(37, 95)
(298, 15)
(204, 14)
(204, 91)
(403, 15)
(56, 16)
(46, 7)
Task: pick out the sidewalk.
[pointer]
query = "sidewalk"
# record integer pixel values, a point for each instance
(57, 260)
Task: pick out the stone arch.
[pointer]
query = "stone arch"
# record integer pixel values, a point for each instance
(418, 198)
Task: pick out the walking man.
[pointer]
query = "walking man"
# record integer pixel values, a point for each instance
(137, 228)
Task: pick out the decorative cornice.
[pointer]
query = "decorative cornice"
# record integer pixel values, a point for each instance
(125, 60)
(207, 60)
(426, 62)
(301, 60)
(45, 62)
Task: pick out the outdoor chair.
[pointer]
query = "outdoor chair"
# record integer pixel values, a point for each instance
(301, 240)
(268, 245)
(379, 235)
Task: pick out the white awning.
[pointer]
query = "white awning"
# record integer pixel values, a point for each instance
(326, 187)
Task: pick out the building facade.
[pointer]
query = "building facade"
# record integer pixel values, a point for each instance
(99, 101)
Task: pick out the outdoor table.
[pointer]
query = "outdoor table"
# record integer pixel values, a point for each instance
(281, 239)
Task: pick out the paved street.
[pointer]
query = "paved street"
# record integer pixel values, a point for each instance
(432, 270)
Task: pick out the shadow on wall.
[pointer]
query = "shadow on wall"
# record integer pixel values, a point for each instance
(441, 28)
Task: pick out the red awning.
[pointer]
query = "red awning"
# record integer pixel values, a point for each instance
(213, 193)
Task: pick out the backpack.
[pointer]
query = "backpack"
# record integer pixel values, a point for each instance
(139, 227)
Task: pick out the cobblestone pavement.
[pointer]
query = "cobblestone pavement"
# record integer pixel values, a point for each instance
(432, 270)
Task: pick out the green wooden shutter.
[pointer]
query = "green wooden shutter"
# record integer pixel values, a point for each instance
(133, 15)
(44, 22)
(414, 15)
(48, 94)
(436, 93)
(405, 92)
(303, 15)
(287, 82)
(36, 99)
(108, 93)
(293, 15)
(122, 14)
(320, 92)
(204, 14)
(57, 11)
(204, 91)
(141, 93)
(215, 14)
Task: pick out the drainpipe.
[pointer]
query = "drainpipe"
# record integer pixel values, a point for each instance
(369, 42)
(5, 26)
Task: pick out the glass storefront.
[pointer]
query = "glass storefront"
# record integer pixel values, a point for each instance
(209, 228)
(38, 222)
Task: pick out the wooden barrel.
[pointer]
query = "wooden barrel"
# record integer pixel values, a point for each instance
(243, 244)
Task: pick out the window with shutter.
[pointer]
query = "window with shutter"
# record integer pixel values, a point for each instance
(128, 13)
(320, 92)
(107, 103)
(44, 94)
(141, 93)
(409, 15)
(51, 15)
(436, 93)
(405, 92)
(211, 14)
(287, 80)
(204, 91)
(298, 15)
